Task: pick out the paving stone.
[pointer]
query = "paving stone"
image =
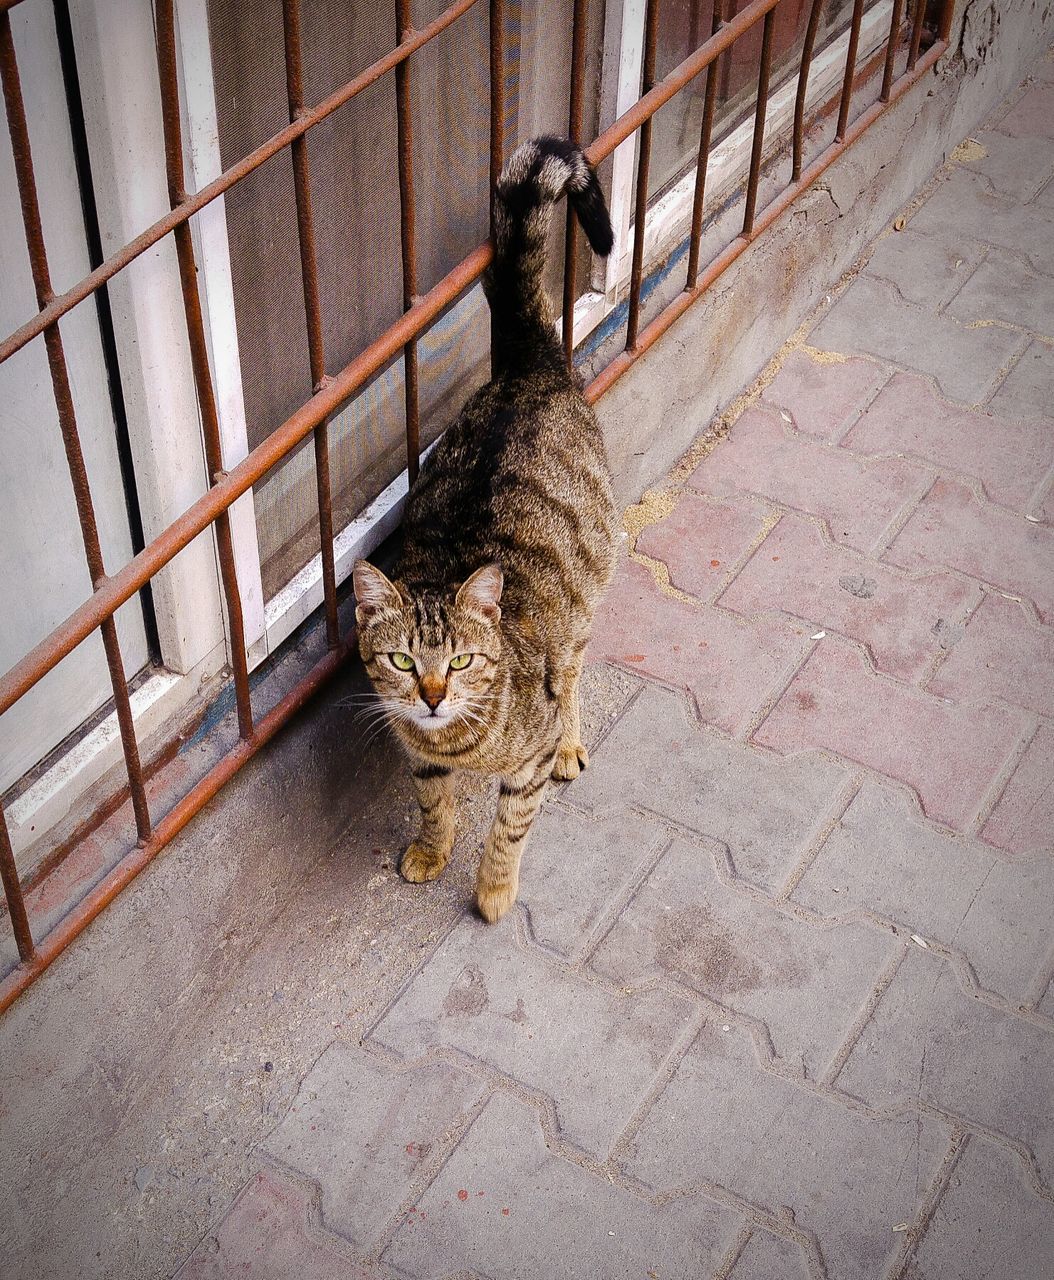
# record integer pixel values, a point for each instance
(882, 857)
(989, 1222)
(504, 1205)
(268, 1234)
(1032, 116)
(1006, 287)
(900, 619)
(576, 868)
(728, 664)
(769, 1257)
(657, 759)
(858, 498)
(822, 396)
(1008, 455)
(930, 1043)
(954, 528)
(1004, 654)
(1029, 386)
(1023, 820)
(365, 1156)
(949, 755)
(804, 982)
(1016, 168)
(594, 1052)
(702, 541)
(927, 270)
(846, 1176)
(871, 318)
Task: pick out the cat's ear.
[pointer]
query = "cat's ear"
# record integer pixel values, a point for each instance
(373, 592)
(482, 591)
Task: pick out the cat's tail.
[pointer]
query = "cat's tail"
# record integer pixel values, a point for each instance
(537, 174)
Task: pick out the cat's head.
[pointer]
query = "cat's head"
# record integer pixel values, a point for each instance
(432, 655)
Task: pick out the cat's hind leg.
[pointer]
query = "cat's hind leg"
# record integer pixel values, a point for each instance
(571, 755)
(519, 799)
(430, 852)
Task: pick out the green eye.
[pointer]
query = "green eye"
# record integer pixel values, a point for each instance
(402, 661)
(460, 662)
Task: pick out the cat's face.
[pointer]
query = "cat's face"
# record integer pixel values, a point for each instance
(431, 656)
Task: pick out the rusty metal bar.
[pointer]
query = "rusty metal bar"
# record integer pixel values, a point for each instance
(760, 112)
(803, 87)
(38, 261)
(16, 904)
(574, 132)
(57, 307)
(405, 133)
(891, 49)
(497, 117)
(944, 28)
(640, 206)
(850, 69)
(199, 355)
(706, 131)
(916, 33)
(305, 224)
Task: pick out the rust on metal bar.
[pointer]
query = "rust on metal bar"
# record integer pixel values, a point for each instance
(640, 205)
(803, 87)
(16, 904)
(408, 235)
(199, 355)
(305, 225)
(916, 33)
(57, 307)
(706, 131)
(574, 132)
(760, 112)
(850, 69)
(38, 261)
(944, 27)
(896, 19)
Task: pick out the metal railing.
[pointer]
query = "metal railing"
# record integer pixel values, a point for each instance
(110, 591)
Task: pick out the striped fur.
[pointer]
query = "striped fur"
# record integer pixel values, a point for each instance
(508, 545)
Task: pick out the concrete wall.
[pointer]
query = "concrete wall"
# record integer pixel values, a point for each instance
(722, 343)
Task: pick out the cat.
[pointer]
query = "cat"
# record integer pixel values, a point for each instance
(475, 648)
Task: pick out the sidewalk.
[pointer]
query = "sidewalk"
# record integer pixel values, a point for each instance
(777, 1000)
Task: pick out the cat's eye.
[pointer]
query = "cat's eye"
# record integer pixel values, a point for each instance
(402, 661)
(460, 661)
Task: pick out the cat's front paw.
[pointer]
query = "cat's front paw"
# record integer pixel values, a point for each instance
(420, 864)
(570, 762)
(495, 901)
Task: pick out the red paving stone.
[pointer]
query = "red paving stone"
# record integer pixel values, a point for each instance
(729, 665)
(950, 755)
(954, 528)
(900, 619)
(857, 497)
(823, 396)
(1023, 820)
(1004, 654)
(702, 542)
(1008, 456)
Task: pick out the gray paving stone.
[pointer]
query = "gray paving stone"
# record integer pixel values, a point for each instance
(660, 758)
(989, 1222)
(575, 868)
(926, 269)
(883, 857)
(846, 1176)
(806, 983)
(505, 1206)
(594, 1052)
(1017, 168)
(768, 1257)
(361, 1129)
(872, 319)
(929, 1042)
(1028, 390)
(1006, 287)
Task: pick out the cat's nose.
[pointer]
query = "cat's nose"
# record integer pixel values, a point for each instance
(432, 691)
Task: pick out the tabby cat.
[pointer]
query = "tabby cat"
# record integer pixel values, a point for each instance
(476, 647)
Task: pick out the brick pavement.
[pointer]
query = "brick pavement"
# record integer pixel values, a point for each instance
(778, 998)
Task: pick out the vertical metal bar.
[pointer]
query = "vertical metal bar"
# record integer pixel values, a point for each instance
(38, 260)
(199, 355)
(916, 33)
(944, 27)
(850, 70)
(705, 135)
(13, 890)
(803, 87)
(574, 132)
(891, 49)
(640, 206)
(497, 113)
(759, 122)
(305, 224)
(404, 123)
